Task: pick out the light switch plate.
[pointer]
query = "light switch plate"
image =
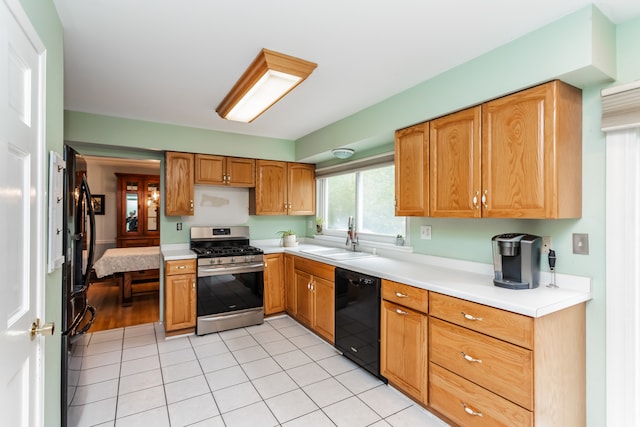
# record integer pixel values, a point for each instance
(581, 243)
(425, 232)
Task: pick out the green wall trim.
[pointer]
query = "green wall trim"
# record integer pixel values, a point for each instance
(122, 132)
(563, 49)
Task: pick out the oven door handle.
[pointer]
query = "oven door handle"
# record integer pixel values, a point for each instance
(217, 271)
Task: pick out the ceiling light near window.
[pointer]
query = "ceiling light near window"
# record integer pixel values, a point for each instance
(269, 77)
(342, 153)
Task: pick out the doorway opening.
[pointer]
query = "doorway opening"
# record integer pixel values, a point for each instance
(119, 184)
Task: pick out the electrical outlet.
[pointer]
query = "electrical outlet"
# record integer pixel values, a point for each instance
(179, 226)
(546, 244)
(425, 232)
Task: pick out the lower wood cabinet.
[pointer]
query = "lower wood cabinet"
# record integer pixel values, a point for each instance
(403, 339)
(180, 295)
(274, 301)
(493, 367)
(314, 287)
(290, 285)
(468, 404)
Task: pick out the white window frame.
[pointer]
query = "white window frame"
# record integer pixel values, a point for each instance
(367, 239)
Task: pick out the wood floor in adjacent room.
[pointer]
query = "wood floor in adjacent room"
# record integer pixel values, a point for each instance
(110, 314)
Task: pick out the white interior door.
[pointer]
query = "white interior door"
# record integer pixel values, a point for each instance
(22, 169)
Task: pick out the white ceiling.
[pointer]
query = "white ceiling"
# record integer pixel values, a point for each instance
(172, 61)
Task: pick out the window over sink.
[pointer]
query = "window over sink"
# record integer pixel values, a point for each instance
(368, 195)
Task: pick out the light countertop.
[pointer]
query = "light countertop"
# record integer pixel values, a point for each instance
(177, 252)
(469, 285)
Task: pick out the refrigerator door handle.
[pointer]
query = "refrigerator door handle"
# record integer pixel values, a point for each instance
(86, 275)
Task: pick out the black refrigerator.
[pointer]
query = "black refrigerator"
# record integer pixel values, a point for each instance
(78, 246)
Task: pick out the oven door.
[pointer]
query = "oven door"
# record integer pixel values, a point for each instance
(229, 297)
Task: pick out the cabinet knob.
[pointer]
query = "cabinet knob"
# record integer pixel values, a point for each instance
(470, 411)
(470, 358)
(484, 199)
(475, 200)
(193, 284)
(470, 317)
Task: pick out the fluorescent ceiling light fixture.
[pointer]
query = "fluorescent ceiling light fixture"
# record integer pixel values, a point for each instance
(269, 77)
(342, 153)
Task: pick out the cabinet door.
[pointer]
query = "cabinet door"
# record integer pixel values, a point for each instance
(273, 283)
(454, 165)
(411, 169)
(241, 172)
(403, 349)
(210, 169)
(179, 181)
(270, 194)
(324, 308)
(301, 187)
(517, 154)
(180, 301)
(304, 300)
(290, 285)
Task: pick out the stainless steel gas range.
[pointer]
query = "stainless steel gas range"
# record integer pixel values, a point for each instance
(230, 279)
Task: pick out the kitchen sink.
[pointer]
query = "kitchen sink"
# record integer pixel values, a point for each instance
(337, 254)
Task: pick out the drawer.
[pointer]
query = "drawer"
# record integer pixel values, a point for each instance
(315, 268)
(505, 325)
(463, 401)
(181, 266)
(408, 296)
(500, 367)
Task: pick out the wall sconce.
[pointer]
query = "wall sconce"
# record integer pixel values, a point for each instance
(342, 153)
(269, 78)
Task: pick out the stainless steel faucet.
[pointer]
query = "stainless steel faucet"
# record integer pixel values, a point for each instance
(352, 234)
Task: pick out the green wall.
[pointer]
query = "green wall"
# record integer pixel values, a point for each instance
(44, 18)
(584, 49)
(578, 48)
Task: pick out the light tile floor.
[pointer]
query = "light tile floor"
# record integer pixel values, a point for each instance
(274, 374)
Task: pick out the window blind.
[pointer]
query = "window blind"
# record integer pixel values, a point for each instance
(356, 165)
(621, 107)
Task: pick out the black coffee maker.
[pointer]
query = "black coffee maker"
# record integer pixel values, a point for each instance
(516, 260)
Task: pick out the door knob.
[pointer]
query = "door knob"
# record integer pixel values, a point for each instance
(46, 329)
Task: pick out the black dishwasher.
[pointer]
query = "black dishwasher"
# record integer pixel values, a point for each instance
(357, 320)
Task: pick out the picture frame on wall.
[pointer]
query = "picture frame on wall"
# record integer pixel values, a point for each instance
(97, 201)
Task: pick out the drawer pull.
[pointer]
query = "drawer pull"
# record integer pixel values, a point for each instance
(470, 411)
(181, 267)
(401, 312)
(470, 317)
(469, 358)
(401, 295)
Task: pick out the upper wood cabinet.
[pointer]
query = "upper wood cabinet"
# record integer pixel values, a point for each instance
(137, 203)
(283, 189)
(179, 182)
(532, 153)
(454, 164)
(221, 170)
(411, 169)
(519, 156)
